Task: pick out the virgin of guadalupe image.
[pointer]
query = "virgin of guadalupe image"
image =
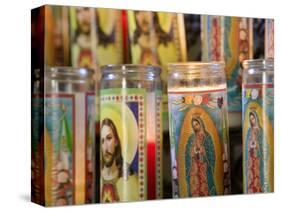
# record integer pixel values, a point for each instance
(200, 160)
(116, 175)
(254, 155)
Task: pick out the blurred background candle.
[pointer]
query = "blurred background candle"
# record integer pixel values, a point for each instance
(69, 136)
(131, 133)
(258, 126)
(198, 122)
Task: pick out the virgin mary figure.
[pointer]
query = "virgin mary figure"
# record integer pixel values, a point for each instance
(254, 155)
(200, 161)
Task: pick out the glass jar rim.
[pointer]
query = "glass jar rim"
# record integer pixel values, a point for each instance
(197, 66)
(259, 64)
(130, 68)
(69, 71)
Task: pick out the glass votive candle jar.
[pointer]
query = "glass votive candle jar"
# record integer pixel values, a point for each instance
(198, 120)
(258, 125)
(69, 136)
(131, 133)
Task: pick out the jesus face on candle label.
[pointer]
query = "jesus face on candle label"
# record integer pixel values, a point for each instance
(143, 40)
(122, 144)
(199, 142)
(258, 138)
(81, 29)
(112, 161)
(109, 36)
(129, 139)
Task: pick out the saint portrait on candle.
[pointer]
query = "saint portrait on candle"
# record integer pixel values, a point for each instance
(143, 40)
(82, 54)
(109, 36)
(254, 155)
(200, 160)
(167, 50)
(59, 150)
(115, 172)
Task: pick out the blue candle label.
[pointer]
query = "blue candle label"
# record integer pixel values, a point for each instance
(199, 143)
(258, 138)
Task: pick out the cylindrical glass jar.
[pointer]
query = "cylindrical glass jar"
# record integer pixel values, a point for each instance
(258, 125)
(69, 136)
(198, 121)
(131, 133)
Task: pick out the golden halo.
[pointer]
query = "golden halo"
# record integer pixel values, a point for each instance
(165, 20)
(186, 131)
(126, 126)
(107, 18)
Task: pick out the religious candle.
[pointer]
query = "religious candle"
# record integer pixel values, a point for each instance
(198, 120)
(269, 38)
(228, 39)
(258, 125)
(66, 145)
(57, 35)
(158, 38)
(131, 135)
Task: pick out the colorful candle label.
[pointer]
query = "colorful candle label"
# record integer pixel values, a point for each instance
(83, 35)
(109, 36)
(37, 150)
(59, 144)
(156, 38)
(142, 37)
(159, 125)
(199, 143)
(123, 145)
(69, 149)
(237, 47)
(228, 39)
(258, 138)
(269, 38)
(212, 37)
(90, 148)
(57, 35)
(170, 39)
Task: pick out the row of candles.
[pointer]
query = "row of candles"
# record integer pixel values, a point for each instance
(130, 101)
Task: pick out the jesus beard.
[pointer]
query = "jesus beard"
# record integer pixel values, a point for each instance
(108, 159)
